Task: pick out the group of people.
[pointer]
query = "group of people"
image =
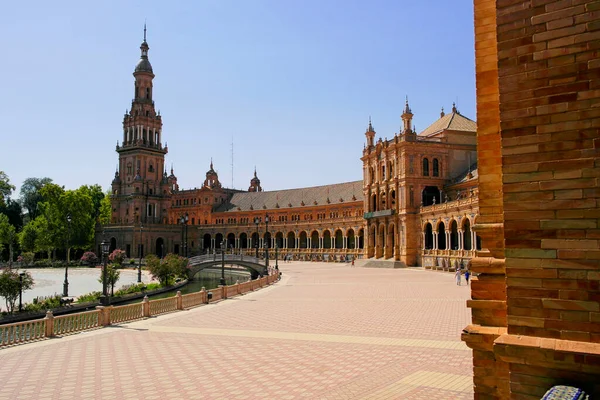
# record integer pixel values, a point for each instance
(458, 274)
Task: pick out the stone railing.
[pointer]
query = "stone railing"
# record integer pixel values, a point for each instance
(450, 205)
(51, 326)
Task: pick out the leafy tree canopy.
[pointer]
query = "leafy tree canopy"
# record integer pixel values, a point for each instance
(5, 188)
(30, 195)
(10, 286)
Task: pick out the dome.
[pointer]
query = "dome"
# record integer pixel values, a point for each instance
(143, 65)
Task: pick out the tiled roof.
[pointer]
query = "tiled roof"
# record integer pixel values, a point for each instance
(453, 122)
(281, 199)
(470, 174)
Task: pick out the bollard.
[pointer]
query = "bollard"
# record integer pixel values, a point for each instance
(49, 318)
(204, 295)
(179, 300)
(146, 307)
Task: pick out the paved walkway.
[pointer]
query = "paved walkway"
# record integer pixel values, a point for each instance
(325, 331)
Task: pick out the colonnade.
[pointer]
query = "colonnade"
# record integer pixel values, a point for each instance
(462, 235)
(289, 242)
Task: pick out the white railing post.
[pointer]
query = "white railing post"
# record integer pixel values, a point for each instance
(179, 300)
(146, 307)
(49, 318)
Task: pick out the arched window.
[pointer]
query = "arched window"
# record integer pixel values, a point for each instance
(425, 167)
(147, 93)
(436, 167)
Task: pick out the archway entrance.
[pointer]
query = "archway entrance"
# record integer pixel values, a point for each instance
(160, 248)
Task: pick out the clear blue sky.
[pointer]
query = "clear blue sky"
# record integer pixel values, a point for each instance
(291, 83)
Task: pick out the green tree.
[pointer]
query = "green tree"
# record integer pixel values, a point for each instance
(57, 206)
(7, 236)
(105, 210)
(95, 193)
(5, 188)
(165, 270)
(30, 195)
(112, 277)
(12, 209)
(28, 237)
(44, 238)
(10, 286)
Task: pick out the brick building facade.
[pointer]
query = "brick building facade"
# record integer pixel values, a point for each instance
(415, 204)
(535, 304)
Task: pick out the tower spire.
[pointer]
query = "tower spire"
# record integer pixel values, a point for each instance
(407, 118)
(144, 30)
(370, 134)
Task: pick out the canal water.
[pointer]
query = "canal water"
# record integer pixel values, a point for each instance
(208, 279)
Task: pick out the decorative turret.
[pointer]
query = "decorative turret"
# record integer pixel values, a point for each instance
(407, 119)
(370, 134)
(172, 181)
(255, 183)
(212, 178)
(116, 179)
(144, 64)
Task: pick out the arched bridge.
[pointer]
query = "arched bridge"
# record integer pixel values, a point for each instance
(252, 264)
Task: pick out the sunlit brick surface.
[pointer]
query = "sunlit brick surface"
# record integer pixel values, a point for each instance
(325, 331)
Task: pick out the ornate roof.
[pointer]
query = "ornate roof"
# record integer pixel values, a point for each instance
(143, 65)
(338, 193)
(452, 122)
(470, 174)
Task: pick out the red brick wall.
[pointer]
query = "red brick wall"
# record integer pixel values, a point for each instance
(549, 79)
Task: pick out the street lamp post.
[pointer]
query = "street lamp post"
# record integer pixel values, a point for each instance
(184, 220)
(267, 240)
(21, 275)
(223, 244)
(140, 253)
(105, 247)
(257, 221)
(276, 265)
(66, 282)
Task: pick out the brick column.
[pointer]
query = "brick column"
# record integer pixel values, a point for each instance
(488, 290)
(549, 80)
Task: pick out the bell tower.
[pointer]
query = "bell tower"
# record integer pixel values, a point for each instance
(139, 187)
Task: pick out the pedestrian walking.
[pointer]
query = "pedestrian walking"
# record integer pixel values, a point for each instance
(353, 261)
(467, 275)
(457, 275)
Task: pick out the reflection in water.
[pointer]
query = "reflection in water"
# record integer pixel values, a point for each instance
(209, 279)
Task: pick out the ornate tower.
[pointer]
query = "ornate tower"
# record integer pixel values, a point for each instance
(212, 179)
(255, 184)
(407, 119)
(370, 134)
(139, 187)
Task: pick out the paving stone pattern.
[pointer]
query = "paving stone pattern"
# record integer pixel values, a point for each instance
(325, 331)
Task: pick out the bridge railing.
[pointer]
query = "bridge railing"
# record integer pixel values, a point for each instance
(50, 326)
(228, 257)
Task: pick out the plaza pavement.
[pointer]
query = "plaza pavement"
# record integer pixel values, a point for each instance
(325, 331)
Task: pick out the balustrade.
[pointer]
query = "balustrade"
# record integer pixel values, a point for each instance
(28, 331)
